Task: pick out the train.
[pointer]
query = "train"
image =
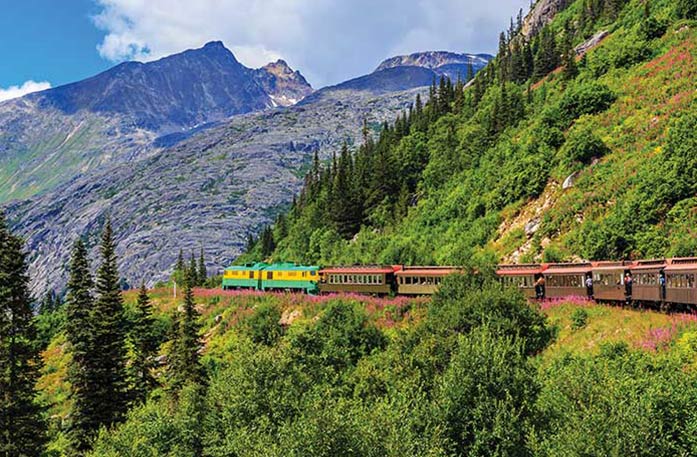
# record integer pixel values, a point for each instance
(381, 280)
(662, 283)
(665, 283)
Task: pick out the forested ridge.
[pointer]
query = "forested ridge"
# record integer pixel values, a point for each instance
(475, 175)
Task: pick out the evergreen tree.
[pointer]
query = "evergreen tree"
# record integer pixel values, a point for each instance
(570, 69)
(267, 242)
(180, 266)
(22, 430)
(547, 57)
(85, 420)
(250, 243)
(193, 270)
(49, 303)
(202, 272)
(109, 333)
(144, 347)
(184, 365)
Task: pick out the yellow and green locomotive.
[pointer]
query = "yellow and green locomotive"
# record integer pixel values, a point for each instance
(276, 276)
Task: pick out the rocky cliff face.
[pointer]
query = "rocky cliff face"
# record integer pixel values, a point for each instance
(542, 14)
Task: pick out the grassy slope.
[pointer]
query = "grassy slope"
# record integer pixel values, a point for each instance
(648, 330)
(634, 129)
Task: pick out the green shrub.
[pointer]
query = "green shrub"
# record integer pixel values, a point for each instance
(582, 146)
(263, 325)
(585, 98)
(579, 319)
(467, 302)
(686, 9)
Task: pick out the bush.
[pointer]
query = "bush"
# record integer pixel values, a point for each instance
(585, 98)
(340, 337)
(686, 9)
(652, 28)
(582, 146)
(263, 325)
(632, 53)
(488, 383)
(579, 319)
(618, 403)
(467, 302)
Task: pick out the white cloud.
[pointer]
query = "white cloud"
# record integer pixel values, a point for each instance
(27, 88)
(328, 40)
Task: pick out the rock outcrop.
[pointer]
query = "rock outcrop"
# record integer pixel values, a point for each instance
(542, 14)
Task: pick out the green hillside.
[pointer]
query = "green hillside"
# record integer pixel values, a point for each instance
(476, 177)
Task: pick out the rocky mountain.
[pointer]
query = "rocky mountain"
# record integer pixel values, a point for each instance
(117, 116)
(284, 86)
(450, 64)
(178, 92)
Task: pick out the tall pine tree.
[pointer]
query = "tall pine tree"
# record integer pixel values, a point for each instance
(22, 431)
(202, 272)
(109, 332)
(184, 364)
(84, 416)
(193, 270)
(144, 347)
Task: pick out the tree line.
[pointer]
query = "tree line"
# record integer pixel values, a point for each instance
(113, 357)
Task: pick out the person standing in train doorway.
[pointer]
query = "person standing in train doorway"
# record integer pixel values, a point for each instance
(662, 283)
(589, 286)
(628, 286)
(540, 288)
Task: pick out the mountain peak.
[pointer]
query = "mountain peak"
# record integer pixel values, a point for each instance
(284, 85)
(442, 63)
(434, 59)
(214, 44)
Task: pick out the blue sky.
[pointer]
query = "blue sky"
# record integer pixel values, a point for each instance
(48, 40)
(60, 41)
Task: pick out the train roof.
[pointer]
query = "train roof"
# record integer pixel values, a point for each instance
(609, 265)
(519, 269)
(427, 271)
(652, 264)
(568, 268)
(287, 266)
(247, 267)
(682, 264)
(364, 270)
